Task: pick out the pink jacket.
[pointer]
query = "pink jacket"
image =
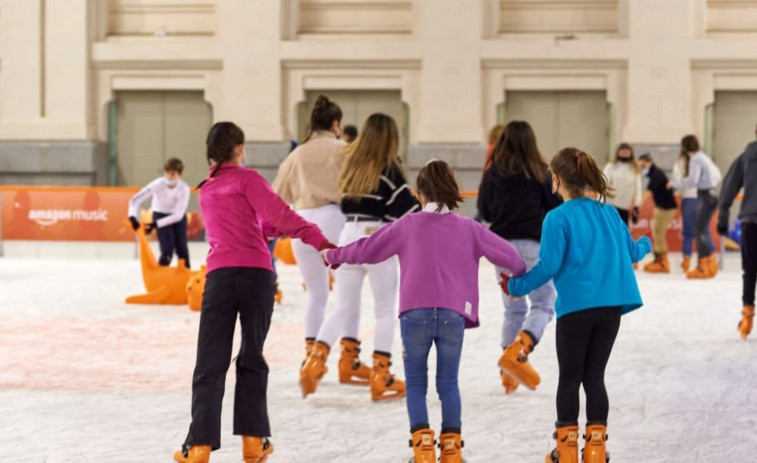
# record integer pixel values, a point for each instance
(240, 211)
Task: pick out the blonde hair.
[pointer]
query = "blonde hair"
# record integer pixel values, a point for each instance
(366, 158)
(495, 133)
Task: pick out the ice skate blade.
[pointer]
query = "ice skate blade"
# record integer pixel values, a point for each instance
(354, 382)
(398, 395)
(509, 373)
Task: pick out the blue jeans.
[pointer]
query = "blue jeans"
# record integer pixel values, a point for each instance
(420, 329)
(517, 315)
(688, 215)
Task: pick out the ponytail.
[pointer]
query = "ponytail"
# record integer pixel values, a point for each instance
(222, 138)
(324, 113)
(579, 172)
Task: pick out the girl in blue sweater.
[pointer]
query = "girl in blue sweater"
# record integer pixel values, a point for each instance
(589, 253)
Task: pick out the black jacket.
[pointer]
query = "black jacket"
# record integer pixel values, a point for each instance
(389, 201)
(742, 174)
(515, 205)
(664, 197)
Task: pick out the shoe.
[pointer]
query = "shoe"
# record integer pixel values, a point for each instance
(383, 384)
(566, 450)
(594, 447)
(256, 449)
(747, 318)
(686, 263)
(702, 271)
(660, 264)
(514, 361)
(423, 445)
(351, 369)
(508, 382)
(278, 295)
(314, 368)
(714, 266)
(450, 448)
(194, 454)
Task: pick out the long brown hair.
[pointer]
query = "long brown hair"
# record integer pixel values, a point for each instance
(578, 172)
(436, 182)
(366, 158)
(689, 144)
(626, 146)
(516, 152)
(220, 143)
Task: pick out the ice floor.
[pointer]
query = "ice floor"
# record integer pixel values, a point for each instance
(86, 378)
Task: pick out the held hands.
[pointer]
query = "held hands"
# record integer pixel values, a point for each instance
(324, 249)
(503, 282)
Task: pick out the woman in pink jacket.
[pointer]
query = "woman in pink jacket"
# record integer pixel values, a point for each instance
(240, 210)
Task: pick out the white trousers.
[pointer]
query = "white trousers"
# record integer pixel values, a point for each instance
(315, 275)
(345, 320)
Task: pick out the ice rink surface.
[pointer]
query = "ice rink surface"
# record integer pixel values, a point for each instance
(86, 378)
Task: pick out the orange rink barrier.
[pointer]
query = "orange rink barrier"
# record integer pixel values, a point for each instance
(62, 213)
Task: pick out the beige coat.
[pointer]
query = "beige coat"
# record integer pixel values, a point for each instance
(626, 182)
(309, 177)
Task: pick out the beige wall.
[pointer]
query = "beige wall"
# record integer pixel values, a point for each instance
(659, 63)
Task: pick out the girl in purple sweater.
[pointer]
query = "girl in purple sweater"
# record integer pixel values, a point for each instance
(240, 209)
(439, 253)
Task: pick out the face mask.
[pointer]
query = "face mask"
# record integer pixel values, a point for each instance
(645, 172)
(243, 160)
(171, 183)
(624, 159)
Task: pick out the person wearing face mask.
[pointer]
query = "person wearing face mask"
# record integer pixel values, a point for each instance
(664, 212)
(309, 180)
(624, 179)
(170, 198)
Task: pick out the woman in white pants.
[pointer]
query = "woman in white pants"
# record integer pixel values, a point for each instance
(375, 192)
(308, 179)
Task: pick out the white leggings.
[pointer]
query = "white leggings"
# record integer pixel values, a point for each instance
(315, 275)
(348, 280)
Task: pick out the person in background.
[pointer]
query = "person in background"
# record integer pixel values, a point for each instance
(170, 198)
(439, 253)
(349, 133)
(664, 212)
(624, 178)
(701, 173)
(688, 212)
(374, 194)
(743, 174)
(309, 180)
(588, 251)
(515, 195)
(495, 133)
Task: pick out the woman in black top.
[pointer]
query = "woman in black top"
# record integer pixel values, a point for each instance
(374, 192)
(514, 197)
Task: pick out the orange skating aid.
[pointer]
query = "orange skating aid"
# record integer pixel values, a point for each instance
(165, 285)
(256, 449)
(195, 289)
(747, 318)
(451, 448)
(660, 264)
(566, 450)
(383, 384)
(351, 369)
(423, 445)
(195, 454)
(514, 361)
(314, 368)
(594, 448)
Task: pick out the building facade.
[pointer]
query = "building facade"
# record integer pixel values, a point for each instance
(101, 91)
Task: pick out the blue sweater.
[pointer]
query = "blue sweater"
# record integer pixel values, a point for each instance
(588, 251)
